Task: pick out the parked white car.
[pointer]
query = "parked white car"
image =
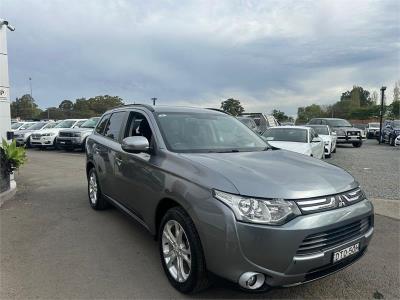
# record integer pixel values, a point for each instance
(300, 139)
(23, 137)
(47, 138)
(21, 125)
(397, 141)
(329, 138)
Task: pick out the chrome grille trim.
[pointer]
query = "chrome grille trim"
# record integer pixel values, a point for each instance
(330, 202)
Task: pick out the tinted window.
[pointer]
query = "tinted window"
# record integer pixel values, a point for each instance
(79, 123)
(102, 124)
(338, 123)
(114, 125)
(138, 126)
(321, 129)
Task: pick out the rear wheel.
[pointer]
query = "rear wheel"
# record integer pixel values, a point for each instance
(391, 141)
(96, 199)
(181, 252)
(28, 143)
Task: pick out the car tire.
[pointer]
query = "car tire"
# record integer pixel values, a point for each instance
(96, 199)
(334, 150)
(28, 143)
(357, 144)
(172, 250)
(391, 141)
(328, 155)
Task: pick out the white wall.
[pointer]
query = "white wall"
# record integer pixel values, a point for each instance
(5, 121)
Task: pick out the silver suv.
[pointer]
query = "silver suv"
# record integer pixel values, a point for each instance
(218, 199)
(75, 138)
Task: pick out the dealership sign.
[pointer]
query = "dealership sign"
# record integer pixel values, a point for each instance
(3, 94)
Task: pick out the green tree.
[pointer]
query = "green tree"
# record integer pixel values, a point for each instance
(66, 105)
(357, 96)
(396, 91)
(101, 104)
(394, 109)
(25, 108)
(305, 114)
(232, 106)
(281, 116)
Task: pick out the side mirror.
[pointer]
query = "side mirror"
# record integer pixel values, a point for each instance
(135, 144)
(316, 140)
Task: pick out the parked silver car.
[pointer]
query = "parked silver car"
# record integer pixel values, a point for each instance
(23, 137)
(75, 138)
(218, 199)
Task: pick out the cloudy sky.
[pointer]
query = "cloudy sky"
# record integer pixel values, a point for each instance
(268, 54)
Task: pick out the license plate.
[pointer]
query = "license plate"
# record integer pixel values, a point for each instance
(61, 142)
(346, 252)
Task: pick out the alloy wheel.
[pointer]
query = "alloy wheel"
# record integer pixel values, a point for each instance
(93, 188)
(176, 251)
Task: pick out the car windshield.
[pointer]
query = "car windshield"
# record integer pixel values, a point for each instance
(321, 129)
(247, 121)
(373, 124)
(65, 124)
(16, 125)
(396, 123)
(338, 123)
(91, 123)
(26, 126)
(37, 126)
(205, 132)
(297, 135)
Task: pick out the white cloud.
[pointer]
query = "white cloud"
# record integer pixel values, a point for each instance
(269, 54)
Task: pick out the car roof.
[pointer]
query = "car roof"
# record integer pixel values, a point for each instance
(170, 109)
(291, 127)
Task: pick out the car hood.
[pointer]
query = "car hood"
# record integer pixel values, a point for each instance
(51, 130)
(274, 174)
(302, 148)
(77, 130)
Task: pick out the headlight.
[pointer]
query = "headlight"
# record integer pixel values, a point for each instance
(260, 211)
(397, 131)
(327, 143)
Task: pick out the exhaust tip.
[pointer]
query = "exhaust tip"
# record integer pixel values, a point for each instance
(251, 280)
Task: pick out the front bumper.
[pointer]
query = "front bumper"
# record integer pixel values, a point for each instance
(348, 139)
(70, 142)
(273, 250)
(43, 141)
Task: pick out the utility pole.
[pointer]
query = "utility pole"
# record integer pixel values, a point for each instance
(154, 101)
(30, 85)
(381, 113)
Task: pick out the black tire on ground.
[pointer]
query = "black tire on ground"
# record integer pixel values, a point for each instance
(391, 141)
(28, 143)
(198, 278)
(101, 202)
(334, 150)
(328, 155)
(357, 144)
(83, 149)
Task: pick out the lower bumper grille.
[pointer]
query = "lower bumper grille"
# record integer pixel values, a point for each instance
(334, 237)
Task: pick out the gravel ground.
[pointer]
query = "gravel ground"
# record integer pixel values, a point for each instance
(376, 167)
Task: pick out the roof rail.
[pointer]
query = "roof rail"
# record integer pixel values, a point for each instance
(217, 109)
(149, 107)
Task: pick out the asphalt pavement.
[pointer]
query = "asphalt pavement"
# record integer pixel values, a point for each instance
(54, 246)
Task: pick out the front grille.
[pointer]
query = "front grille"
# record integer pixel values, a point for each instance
(331, 238)
(65, 134)
(313, 205)
(353, 132)
(36, 136)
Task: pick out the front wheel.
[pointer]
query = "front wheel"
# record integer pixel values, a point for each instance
(357, 144)
(181, 252)
(391, 141)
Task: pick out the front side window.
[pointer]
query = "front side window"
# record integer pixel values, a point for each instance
(138, 126)
(286, 135)
(207, 132)
(113, 127)
(102, 124)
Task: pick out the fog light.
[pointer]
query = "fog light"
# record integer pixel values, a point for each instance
(251, 280)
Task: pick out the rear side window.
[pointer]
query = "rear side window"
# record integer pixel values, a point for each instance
(102, 124)
(113, 127)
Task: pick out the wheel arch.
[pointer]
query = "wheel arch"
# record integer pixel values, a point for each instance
(163, 206)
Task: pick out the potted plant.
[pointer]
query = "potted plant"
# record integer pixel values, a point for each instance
(11, 158)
